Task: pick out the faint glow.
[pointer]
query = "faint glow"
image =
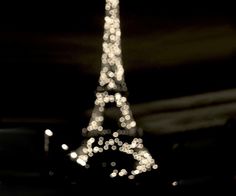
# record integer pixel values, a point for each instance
(122, 119)
(105, 147)
(115, 171)
(113, 164)
(85, 150)
(83, 157)
(90, 154)
(64, 147)
(104, 164)
(113, 147)
(131, 177)
(51, 173)
(48, 132)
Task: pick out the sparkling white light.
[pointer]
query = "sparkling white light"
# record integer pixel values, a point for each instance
(110, 91)
(112, 72)
(64, 147)
(111, 86)
(144, 161)
(48, 132)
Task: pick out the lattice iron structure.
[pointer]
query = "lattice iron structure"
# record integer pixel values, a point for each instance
(111, 92)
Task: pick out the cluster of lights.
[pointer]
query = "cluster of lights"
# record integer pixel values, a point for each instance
(111, 84)
(92, 146)
(126, 120)
(112, 72)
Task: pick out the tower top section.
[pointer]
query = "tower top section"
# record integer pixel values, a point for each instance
(112, 71)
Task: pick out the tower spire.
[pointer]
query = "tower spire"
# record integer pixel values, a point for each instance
(112, 71)
(110, 92)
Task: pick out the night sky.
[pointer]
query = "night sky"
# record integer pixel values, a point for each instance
(50, 54)
(179, 62)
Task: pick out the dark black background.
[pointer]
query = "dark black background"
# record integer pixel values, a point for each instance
(49, 67)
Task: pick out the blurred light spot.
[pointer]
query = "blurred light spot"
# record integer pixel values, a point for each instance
(64, 147)
(51, 173)
(113, 175)
(131, 177)
(175, 183)
(155, 166)
(115, 134)
(73, 155)
(48, 132)
(81, 161)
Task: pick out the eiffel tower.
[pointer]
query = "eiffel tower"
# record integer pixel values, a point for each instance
(111, 92)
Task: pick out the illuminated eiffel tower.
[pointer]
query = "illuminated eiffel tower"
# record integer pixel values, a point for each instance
(111, 91)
